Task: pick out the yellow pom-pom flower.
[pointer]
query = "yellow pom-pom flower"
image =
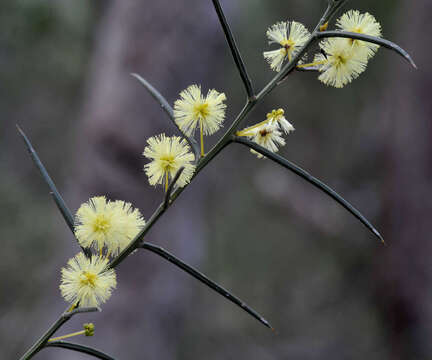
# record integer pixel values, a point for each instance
(340, 64)
(356, 22)
(168, 155)
(193, 110)
(87, 281)
(291, 36)
(106, 224)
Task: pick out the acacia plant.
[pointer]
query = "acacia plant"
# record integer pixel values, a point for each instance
(109, 231)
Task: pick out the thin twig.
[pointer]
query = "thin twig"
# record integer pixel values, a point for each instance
(64, 210)
(171, 187)
(82, 310)
(371, 39)
(307, 69)
(312, 180)
(234, 49)
(204, 279)
(169, 111)
(79, 348)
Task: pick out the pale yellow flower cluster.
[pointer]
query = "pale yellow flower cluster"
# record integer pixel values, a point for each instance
(107, 227)
(341, 59)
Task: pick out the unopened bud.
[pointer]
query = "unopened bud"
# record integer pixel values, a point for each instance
(89, 329)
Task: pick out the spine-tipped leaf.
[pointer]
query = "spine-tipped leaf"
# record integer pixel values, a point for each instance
(80, 348)
(204, 279)
(169, 110)
(312, 180)
(64, 210)
(234, 49)
(371, 39)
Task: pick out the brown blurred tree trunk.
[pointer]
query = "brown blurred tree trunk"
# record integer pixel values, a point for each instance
(405, 287)
(173, 44)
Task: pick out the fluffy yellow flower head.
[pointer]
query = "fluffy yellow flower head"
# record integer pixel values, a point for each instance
(291, 36)
(354, 21)
(85, 280)
(341, 64)
(168, 155)
(193, 110)
(106, 224)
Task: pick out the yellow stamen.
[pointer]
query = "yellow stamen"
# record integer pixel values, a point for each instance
(100, 251)
(312, 64)
(166, 181)
(202, 110)
(88, 278)
(73, 306)
(247, 131)
(202, 138)
(101, 224)
(82, 332)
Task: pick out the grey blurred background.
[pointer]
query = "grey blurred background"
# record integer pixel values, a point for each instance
(330, 289)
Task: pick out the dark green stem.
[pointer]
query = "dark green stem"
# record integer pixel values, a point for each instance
(171, 187)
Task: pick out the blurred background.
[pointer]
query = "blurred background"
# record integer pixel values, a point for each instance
(330, 289)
